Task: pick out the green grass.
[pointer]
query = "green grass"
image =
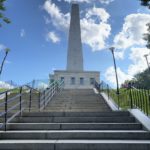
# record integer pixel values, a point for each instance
(2, 90)
(140, 99)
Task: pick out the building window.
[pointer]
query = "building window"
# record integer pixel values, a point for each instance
(62, 79)
(92, 80)
(81, 81)
(72, 80)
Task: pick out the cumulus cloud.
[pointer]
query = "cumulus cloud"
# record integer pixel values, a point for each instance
(110, 76)
(106, 1)
(132, 32)
(88, 1)
(58, 19)
(139, 62)
(5, 85)
(51, 36)
(95, 19)
(42, 86)
(47, 20)
(119, 54)
(2, 47)
(80, 1)
(138, 65)
(95, 38)
(22, 33)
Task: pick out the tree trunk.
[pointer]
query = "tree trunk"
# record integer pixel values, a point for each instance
(1, 68)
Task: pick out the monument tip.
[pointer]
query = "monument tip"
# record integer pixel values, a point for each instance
(74, 2)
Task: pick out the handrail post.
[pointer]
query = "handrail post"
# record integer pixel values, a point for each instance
(130, 93)
(108, 90)
(146, 103)
(30, 99)
(44, 98)
(39, 101)
(118, 99)
(99, 88)
(149, 102)
(6, 98)
(20, 100)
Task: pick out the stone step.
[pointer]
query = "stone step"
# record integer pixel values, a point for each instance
(77, 114)
(74, 145)
(123, 119)
(76, 134)
(74, 126)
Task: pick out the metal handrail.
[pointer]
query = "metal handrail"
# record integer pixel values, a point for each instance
(130, 97)
(43, 99)
(48, 94)
(15, 106)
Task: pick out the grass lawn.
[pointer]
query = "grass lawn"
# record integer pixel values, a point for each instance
(140, 98)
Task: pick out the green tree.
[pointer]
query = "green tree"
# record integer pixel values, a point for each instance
(2, 16)
(143, 79)
(4, 59)
(147, 35)
(145, 3)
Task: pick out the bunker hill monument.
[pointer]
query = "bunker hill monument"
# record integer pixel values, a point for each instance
(74, 76)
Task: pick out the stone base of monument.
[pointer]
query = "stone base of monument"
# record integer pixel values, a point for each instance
(76, 79)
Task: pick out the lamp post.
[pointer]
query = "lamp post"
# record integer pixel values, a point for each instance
(146, 55)
(112, 50)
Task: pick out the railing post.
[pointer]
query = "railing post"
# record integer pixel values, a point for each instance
(149, 102)
(146, 103)
(20, 100)
(130, 93)
(6, 98)
(44, 99)
(30, 99)
(39, 101)
(108, 91)
(118, 99)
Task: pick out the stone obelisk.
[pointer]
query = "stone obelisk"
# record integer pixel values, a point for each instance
(75, 77)
(75, 55)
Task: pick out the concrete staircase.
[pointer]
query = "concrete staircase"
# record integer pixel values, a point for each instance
(77, 128)
(83, 100)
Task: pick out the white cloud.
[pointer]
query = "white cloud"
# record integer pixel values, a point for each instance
(106, 1)
(100, 13)
(42, 86)
(94, 27)
(59, 20)
(95, 31)
(110, 76)
(2, 47)
(133, 29)
(8, 62)
(89, 1)
(119, 54)
(79, 1)
(47, 20)
(5, 85)
(138, 59)
(51, 36)
(22, 33)
(138, 65)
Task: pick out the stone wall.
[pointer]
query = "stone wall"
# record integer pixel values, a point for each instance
(77, 80)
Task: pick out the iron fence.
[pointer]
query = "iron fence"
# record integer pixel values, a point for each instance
(129, 97)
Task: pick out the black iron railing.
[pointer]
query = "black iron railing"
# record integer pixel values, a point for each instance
(129, 97)
(25, 98)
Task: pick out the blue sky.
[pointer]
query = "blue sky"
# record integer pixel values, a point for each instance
(38, 38)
